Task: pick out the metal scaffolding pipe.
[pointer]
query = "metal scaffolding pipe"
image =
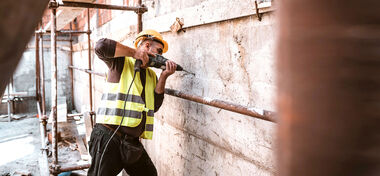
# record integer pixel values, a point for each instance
(265, 115)
(63, 32)
(37, 61)
(43, 161)
(73, 32)
(59, 40)
(89, 59)
(328, 88)
(9, 102)
(42, 72)
(71, 71)
(42, 127)
(139, 18)
(100, 6)
(54, 85)
(88, 71)
(71, 168)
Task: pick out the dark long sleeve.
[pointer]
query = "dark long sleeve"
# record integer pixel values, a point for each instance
(105, 50)
(158, 100)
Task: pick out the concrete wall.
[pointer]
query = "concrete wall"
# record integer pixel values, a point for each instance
(232, 55)
(230, 64)
(63, 72)
(24, 78)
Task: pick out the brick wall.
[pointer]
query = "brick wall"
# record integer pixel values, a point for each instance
(102, 15)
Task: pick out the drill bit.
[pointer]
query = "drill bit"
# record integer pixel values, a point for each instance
(180, 68)
(188, 72)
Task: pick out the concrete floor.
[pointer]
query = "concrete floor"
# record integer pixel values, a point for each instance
(20, 145)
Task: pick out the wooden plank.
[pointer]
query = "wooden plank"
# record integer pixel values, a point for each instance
(88, 125)
(209, 11)
(82, 147)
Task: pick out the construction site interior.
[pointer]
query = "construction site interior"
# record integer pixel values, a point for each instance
(288, 88)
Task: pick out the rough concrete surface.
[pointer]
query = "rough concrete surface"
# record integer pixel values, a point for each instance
(233, 61)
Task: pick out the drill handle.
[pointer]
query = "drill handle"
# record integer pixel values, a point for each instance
(138, 65)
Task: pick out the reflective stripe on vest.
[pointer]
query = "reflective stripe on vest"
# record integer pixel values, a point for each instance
(112, 103)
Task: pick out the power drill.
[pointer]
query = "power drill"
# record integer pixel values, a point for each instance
(159, 61)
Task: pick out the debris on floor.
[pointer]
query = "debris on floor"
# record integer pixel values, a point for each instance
(20, 145)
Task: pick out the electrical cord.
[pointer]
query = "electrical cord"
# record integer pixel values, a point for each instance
(125, 102)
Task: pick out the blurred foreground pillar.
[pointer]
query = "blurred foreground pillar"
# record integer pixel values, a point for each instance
(329, 88)
(18, 20)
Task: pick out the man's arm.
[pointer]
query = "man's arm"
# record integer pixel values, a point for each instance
(122, 50)
(140, 54)
(160, 87)
(107, 50)
(158, 99)
(170, 69)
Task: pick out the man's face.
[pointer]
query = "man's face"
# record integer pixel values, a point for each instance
(152, 46)
(156, 48)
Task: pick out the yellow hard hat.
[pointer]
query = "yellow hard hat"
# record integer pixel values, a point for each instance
(154, 35)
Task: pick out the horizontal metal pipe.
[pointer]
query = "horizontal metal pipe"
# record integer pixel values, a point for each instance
(59, 40)
(102, 6)
(266, 115)
(71, 168)
(64, 32)
(88, 71)
(73, 32)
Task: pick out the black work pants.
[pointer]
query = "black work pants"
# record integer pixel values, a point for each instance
(120, 154)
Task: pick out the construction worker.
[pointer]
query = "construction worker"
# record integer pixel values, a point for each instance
(124, 150)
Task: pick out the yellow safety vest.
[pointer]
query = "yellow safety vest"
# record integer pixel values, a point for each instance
(110, 110)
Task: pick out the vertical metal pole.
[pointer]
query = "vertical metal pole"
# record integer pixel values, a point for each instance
(71, 70)
(328, 88)
(43, 161)
(42, 86)
(139, 18)
(89, 57)
(54, 84)
(37, 47)
(9, 102)
(42, 72)
(42, 127)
